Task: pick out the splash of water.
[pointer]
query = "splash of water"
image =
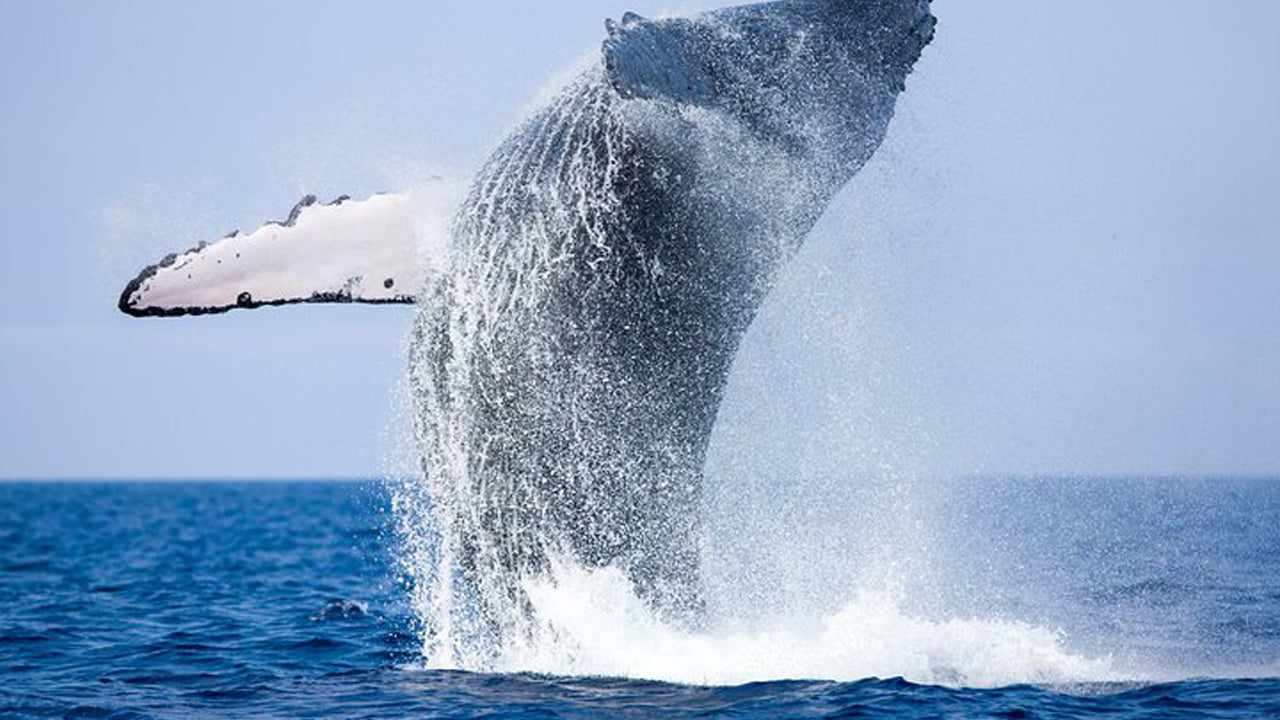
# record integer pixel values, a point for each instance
(592, 623)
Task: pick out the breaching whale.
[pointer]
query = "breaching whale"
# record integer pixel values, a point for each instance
(567, 365)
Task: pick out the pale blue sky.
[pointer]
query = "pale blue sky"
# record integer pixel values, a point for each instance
(1065, 259)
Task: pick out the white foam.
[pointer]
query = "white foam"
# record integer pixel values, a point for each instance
(591, 623)
(434, 201)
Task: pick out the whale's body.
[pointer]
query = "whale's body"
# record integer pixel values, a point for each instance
(567, 367)
(610, 256)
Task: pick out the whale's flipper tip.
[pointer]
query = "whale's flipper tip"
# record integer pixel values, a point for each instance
(339, 252)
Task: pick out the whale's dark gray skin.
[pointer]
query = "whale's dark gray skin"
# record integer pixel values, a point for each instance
(568, 369)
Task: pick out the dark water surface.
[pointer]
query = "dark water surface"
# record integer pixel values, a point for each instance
(280, 600)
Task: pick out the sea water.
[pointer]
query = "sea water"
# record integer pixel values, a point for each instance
(1038, 598)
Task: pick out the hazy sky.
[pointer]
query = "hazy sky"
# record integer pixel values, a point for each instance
(1064, 260)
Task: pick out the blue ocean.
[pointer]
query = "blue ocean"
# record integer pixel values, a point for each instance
(1068, 598)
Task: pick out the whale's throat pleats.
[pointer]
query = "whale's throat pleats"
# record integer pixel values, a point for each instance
(561, 406)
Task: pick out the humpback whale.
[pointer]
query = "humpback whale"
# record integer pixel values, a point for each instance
(567, 365)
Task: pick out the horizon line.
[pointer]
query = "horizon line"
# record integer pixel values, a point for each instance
(195, 479)
(268, 479)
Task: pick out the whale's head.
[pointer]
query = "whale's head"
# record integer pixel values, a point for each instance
(805, 73)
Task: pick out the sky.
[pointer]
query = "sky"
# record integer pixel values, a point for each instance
(1064, 259)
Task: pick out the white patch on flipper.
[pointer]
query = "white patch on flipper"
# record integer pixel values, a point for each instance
(346, 251)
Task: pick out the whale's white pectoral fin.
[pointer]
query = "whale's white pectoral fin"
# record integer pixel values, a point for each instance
(343, 252)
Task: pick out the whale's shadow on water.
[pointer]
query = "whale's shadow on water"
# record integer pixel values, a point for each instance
(567, 367)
